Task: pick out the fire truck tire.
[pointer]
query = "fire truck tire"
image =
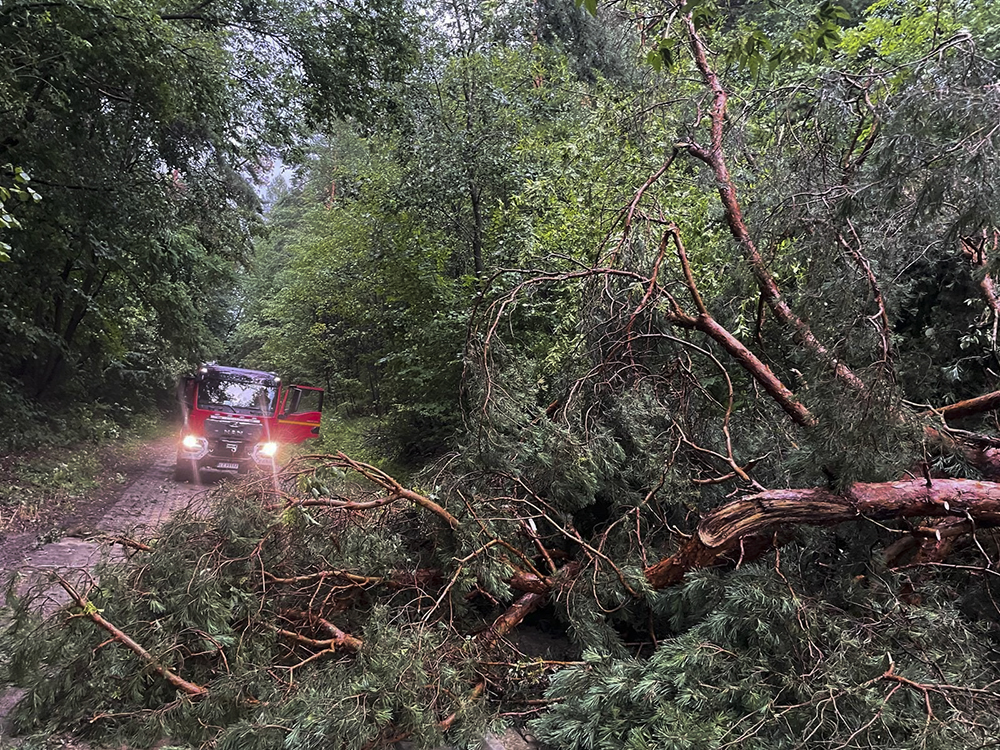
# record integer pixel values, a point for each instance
(185, 471)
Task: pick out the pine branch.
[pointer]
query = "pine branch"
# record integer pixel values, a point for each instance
(397, 580)
(883, 326)
(976, 253)
(537, 596)
(714, 157)
(379, 477)
(90, 611)
(513, 616)
(338, 638)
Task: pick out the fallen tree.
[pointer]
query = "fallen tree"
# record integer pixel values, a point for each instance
(244, 600)
(742, 488)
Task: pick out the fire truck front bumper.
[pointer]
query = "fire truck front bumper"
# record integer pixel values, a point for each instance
(227, 455)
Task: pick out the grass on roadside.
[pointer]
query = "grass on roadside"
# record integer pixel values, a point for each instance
(51, 478)
(360, 438)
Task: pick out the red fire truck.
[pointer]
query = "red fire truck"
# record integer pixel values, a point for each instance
(236, 420)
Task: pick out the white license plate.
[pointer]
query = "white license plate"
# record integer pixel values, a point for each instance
(226, 465)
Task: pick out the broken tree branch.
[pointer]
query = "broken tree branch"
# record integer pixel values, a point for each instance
(382, 479)
(758, 515)
(338, 638)
(513, 616)
(90, 611)
(714, 157)
(539, 590)
(975, 250)
(883, 326)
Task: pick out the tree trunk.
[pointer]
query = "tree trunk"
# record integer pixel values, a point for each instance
(729, 530)
(475, 197)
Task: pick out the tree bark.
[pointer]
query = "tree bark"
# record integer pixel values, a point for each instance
(754, 518)
(714, 157)
(754, 366)
(512, 617)
(970, 407)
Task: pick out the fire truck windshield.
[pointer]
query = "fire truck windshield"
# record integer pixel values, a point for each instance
(238, 397)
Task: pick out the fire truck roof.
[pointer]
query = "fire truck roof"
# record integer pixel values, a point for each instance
(238, 373)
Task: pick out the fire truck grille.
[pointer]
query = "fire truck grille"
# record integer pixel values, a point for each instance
(228, 430)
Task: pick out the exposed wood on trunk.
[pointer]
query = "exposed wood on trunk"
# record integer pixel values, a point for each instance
(723, 530)
(513, 617)
(878, 501)
(538, 593)
(529, 582)
(938, 542)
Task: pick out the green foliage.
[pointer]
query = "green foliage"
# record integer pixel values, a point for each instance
(62, 458)
(771, 660)
(146, 126)
(18, 188)
(384, 243)
(473, 272)
(198, 607)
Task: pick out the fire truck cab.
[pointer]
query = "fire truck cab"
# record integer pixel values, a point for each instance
(236, 420)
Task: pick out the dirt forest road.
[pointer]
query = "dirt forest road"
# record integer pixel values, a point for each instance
(143, 504)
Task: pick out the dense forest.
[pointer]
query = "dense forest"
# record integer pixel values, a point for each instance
(666, 329)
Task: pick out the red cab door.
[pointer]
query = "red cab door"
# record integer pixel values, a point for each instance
(299, 412)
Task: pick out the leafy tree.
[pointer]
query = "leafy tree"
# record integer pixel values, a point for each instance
(385, 241)
(145, 126)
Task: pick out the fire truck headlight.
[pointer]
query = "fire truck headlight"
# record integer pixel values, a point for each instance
(264, 453)
(194, 447)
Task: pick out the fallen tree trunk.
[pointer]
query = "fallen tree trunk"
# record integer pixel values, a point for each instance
(538, 590)
(754, 518)
(512, 617)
